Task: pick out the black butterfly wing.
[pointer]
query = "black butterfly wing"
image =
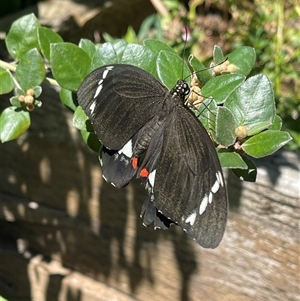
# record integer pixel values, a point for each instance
(189, 187)
(119, 100)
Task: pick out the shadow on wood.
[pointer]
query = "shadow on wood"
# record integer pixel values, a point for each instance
(68, 235)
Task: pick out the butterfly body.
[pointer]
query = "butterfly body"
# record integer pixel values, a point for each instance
(132, 114)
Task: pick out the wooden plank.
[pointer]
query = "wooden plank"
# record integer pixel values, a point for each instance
(55, 202)
(48, 279)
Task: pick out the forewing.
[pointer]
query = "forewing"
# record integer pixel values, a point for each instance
(119, 100)
(189, 187)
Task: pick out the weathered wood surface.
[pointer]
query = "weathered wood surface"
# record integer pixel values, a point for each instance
(68, 235)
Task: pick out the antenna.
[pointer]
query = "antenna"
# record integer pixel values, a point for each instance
(185, 36)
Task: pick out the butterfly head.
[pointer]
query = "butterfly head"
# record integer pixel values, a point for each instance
(181, 89)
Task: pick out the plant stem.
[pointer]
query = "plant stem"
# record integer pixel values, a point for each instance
(12, 67)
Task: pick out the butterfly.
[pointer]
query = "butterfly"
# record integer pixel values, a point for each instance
(147, 130)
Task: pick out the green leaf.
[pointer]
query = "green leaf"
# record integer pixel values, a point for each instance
(207, 114)
(37, 103)
(157, 46)
(222, 86)
(22, 36)
(140, 56)
(225, 127)
(231, 160)
(13, 123)
(19, 91)
(244, 58)
(249, 174)
(203, 74)
(7, 83)
(171, 68)
(37, 91)
(130, 35)
(46, 37)
(88, 46)
(91, 140)
(70, 64)
(66, 97)
(30, 71)
(252, 104)
(81, 122)
(218, 56)
(258, 128)
(265, 143)
(80, 119)
(14, 100)
(108, 53)
(277, 124)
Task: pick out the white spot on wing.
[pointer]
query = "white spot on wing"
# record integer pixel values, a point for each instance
(203, 204)
(92, 107)
(210, 197)
(151, 177)
(220, 178)
(191, 218)
(106, 71)
(127, 149)
(99, 88)
(215, 187)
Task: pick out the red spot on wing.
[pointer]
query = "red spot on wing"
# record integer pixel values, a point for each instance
(144, 173)
(134, 162)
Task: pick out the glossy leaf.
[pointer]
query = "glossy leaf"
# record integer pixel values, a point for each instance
(140, 56)
(222, 86)
(231, 160)
(218, 56)
(157, 46)
(252, 104)
(171, 68)
(66, 97)
(30, 71)
(80, 119)
(7, 83)
(203, 74)
(13, 123)
(46, 36)
(265, 143)
(81, 122)
(37, 91)
(88, 46)
(22, 36)
(70, 64)
(277, 124)
(225, 127)
(14, 101)
(244, 59)
(207, 114)
(108, 53)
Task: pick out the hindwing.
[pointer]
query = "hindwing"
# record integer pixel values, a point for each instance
(189, 187)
